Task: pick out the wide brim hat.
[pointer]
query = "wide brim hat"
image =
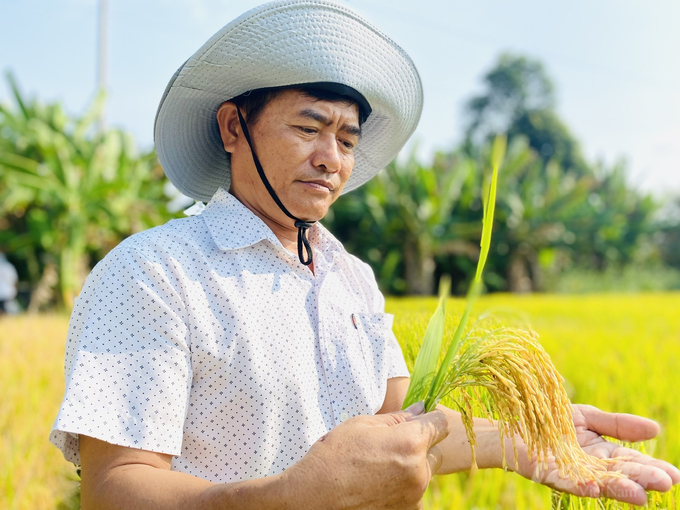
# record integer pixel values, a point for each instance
(278, 44)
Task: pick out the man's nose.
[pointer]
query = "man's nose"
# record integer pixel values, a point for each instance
(327, 154)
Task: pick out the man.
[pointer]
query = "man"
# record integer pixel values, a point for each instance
(241, 358)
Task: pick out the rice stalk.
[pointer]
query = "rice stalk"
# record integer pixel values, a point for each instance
(505, 371)
(425, 365)
(525, 394)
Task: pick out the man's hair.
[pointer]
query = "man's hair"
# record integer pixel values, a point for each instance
(253, 102)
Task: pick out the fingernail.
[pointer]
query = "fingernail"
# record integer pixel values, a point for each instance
(416, 409)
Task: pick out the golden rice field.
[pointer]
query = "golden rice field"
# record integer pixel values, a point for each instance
(618, 352)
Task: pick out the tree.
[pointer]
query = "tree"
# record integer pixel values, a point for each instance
(668, 237)
(620, 220)
(537, 210)
(415, 222)
(68, 194)
(519, 100)
(399, 221)
(514, 86)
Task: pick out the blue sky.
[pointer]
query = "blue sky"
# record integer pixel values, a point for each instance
(615, 63)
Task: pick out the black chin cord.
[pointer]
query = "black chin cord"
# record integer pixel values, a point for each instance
(301, 225)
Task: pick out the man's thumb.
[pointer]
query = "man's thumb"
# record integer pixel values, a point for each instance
(414, 410)
(408, 414)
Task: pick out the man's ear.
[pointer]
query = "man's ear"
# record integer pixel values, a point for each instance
(230, 129)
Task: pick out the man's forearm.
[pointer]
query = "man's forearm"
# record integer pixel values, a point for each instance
(148, 487)
(455, 448)
(375, 462)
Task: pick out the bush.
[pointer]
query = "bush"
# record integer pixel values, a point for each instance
(631, 278)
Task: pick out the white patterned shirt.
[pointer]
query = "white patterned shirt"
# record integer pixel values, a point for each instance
(205, 339)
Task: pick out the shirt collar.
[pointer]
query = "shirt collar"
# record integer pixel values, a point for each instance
(232, 226)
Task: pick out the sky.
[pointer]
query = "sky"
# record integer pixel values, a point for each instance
(615, 63)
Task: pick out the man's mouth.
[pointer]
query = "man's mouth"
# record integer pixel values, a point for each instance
(320, 184)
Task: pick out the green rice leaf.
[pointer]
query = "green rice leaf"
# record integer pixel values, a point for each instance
(500, 143)
(487, 226)
(428, 355)
(437, 387)
(497, 155)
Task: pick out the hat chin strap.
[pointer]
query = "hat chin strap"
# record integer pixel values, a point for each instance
(304, 248)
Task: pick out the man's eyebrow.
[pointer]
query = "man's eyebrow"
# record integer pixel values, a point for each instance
(319, 117)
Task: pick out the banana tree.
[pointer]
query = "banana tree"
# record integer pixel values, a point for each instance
(399, 220)
(549, 217)
(79, 192)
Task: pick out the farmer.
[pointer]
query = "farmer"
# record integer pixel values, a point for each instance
(241, 358)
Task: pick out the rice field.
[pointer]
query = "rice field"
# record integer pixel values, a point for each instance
(618, 352)
(33, 473)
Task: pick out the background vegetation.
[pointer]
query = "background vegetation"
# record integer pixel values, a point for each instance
(69, 193)
(558, 215)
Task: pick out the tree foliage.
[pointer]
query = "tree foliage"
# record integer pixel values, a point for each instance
(519, 100)
(555, 211)
(68, 194)
(400, 220)
(415, 222)
(668, 234)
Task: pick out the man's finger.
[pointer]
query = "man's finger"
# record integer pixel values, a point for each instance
(625, 490)
(645, 460)
(435, 459)
(415, 409)
(647, 476)
(626, 427)
(402, 416)
(436, 425)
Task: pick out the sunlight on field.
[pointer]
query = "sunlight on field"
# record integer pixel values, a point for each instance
(618, 352)
(33, 473)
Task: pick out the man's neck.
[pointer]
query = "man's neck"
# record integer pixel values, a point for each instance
(285, 232)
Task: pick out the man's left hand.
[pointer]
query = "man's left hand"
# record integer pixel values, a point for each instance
(642, 471)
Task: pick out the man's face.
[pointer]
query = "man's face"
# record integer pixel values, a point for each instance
(306, 148)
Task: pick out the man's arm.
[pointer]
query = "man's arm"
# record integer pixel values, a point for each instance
(643, 472)
(366, 462)
(120, 477)
(455, 448)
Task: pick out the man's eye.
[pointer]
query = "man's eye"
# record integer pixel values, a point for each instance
(307, 130)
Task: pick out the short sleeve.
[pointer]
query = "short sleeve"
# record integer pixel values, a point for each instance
(397, 366)
(128, 365)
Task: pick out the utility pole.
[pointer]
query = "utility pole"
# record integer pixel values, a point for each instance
(101, 55)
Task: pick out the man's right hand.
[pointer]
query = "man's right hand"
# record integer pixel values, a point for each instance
(368, 462)
(372, 462)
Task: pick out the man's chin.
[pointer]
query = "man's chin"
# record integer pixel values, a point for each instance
(313, 212)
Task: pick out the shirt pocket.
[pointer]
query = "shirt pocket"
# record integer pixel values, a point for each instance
(375, 330)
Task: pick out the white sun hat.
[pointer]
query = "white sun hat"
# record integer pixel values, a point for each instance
(283, 43)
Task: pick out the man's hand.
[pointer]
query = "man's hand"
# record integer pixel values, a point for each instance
(643, 471)
(368, 462)
(373, 462)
